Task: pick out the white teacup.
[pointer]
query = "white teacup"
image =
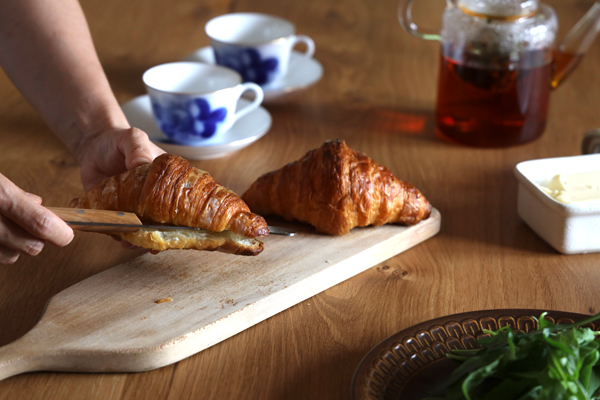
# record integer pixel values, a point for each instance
(257, 46)
(194, 102)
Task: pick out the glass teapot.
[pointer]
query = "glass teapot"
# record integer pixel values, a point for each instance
(498, 65)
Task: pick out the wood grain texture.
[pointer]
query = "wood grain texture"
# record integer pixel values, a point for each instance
(118, 320)
(378, 94)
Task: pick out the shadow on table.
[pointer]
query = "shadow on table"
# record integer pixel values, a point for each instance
(352, 117)
(328, 381)
(482, 208)
(348, 120)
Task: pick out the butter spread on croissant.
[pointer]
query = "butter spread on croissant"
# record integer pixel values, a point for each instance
(335, 189)
(171, 191)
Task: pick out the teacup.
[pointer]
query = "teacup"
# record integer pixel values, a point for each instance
(257, 46)
(194, 102)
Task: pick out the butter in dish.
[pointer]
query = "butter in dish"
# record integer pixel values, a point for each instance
(569, 228)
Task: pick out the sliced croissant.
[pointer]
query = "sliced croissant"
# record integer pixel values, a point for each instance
(336, 189)
(226, 241)
(171, 191)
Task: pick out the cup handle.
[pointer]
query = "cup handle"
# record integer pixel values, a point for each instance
(405, 17)
(310, 48)
(258, 98)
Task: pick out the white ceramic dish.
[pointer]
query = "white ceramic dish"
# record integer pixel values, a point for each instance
(299, 76)
(244, 132)
(569, 228)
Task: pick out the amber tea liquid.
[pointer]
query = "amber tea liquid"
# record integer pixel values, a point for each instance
(486, 107)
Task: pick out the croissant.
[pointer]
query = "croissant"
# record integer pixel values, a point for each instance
(336, 189)
(226, 241)
(171, 191)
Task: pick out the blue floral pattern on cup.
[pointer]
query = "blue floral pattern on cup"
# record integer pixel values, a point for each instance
(188, 122)
(249, 64)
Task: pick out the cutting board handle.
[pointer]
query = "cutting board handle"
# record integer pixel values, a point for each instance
(16, 358)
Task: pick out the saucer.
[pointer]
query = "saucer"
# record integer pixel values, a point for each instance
(299, 76)
(244, 131)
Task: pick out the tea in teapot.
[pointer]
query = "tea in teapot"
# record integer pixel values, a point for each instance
(498, 64)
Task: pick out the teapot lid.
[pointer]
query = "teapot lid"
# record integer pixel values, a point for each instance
(499, 8)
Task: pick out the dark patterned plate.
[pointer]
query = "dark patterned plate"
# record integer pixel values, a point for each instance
(409, 363)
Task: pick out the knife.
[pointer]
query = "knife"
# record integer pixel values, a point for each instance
(105, 221)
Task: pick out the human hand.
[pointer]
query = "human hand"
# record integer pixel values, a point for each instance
(113, 152)
(25, 226)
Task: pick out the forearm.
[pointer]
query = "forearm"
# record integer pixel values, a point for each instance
(47, 51)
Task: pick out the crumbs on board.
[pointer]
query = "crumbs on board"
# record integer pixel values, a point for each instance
(165, 300)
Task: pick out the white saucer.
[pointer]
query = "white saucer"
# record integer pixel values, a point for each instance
(245, 131)
(299, 76)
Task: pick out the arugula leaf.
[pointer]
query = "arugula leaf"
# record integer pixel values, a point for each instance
(555, 362)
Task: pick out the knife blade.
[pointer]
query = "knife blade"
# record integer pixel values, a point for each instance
(105, 221)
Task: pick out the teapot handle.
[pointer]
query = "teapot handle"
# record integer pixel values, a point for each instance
(405, 17)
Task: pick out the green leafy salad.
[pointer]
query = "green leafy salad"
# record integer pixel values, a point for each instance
(555, 362)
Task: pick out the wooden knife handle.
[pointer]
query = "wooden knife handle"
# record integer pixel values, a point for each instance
(97, 216)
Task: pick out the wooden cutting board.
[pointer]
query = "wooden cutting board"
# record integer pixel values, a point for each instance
(114, 322)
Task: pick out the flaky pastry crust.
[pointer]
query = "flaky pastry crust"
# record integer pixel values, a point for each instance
(171, 191)
(336, 189)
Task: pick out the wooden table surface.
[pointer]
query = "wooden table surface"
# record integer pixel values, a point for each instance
(377, 93)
